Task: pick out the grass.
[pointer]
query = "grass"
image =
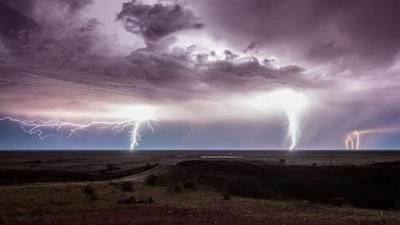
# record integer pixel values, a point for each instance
(373, 187)
(26, 203)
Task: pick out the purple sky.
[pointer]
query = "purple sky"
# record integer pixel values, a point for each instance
(210, 72)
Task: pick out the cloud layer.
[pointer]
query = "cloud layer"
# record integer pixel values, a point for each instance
(342, 54)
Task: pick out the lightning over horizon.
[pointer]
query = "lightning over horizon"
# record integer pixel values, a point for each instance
(353, 138)
(241, 78)
(39, 127)
(291, 102)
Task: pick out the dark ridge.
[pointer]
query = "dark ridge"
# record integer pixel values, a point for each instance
(374, 186)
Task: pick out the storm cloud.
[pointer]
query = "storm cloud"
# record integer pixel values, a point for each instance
(155, 22)
(347, 32)
(203, 57)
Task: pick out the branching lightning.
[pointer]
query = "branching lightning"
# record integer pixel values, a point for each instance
(40, 127)
(135, 132)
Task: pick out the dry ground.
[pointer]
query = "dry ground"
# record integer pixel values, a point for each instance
(69, 205)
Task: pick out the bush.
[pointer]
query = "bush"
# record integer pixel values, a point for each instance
(189, 185)
(128, 201)
(397, 205)
(152, 180)
(111, 167)
(133, 200)
(226, 197)
(89, 191)
(246, 187)
(174, 188)
(339, 201)
(126, 186)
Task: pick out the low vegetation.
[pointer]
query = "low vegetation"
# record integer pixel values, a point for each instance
(22, 176)
(50, 205)
(373, 186)
(283, 189)
(126, 186)
(152, 180)
(90, 192)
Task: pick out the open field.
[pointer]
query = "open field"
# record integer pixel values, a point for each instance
(110, 187)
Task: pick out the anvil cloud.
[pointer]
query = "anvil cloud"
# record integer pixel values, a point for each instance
(198, 61)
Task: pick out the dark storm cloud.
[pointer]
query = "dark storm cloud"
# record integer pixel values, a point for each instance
(157, 21)
(62, 58)
(366, 33)
(68, 53)
(16, 29)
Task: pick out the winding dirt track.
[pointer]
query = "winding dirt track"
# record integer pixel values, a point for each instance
(134, 178)
(156, 170)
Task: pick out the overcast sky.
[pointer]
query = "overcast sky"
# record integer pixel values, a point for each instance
(199, 68)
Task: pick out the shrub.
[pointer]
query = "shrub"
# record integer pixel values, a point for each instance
(339, 201)
(89, 191)
(128, 201)
(126, 186)
(397, 205)
(110, 167)
(174, 188)
(189, 185)
(246, 187)
(133, 200)
(152, 180)
(226, 197)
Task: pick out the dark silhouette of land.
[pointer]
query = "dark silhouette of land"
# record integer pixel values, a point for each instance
(199, 187)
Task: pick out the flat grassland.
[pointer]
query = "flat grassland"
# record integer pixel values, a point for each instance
(92, 187)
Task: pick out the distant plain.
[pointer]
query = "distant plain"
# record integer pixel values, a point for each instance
(254, 187)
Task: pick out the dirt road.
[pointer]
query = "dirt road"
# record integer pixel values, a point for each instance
(134, 178)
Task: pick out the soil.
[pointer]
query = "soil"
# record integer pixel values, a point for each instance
(162, 215)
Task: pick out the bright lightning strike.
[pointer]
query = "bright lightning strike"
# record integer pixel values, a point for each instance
(292, 103)
(42, 127)
(352, 139)
(135, 132)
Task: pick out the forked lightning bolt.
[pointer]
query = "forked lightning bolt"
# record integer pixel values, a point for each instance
(39, 127)
(352, 139)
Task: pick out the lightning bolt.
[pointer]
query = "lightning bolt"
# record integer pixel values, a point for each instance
(352, 140)
(293, 128)
(38, 127)
(135, 132)
(291, 102)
